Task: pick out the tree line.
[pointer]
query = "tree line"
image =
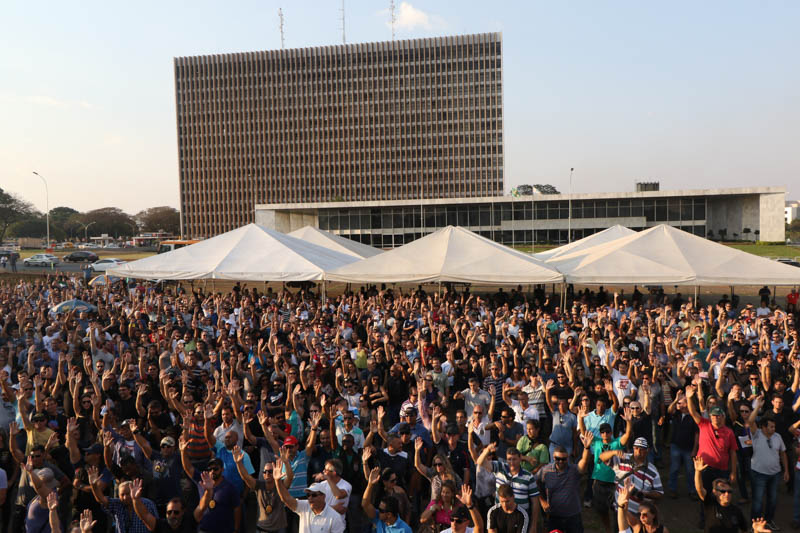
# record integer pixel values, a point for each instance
(19, 218)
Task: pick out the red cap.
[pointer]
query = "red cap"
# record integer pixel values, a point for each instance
(291, 440)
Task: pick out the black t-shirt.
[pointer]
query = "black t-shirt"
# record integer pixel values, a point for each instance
(515, 522)
(188, 525)
(723, 519)
(459, 458)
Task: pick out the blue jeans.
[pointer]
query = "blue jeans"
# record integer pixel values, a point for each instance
(765, 493)
(797, 495)
(677, 457)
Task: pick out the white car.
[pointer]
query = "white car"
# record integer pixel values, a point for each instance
(41, 260)
(104, 264)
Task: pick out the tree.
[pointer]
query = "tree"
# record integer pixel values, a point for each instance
(12, 209)
(35, 227)
(745, 232)
(525, 190)
(545, 188)
(160, 218)
(59, 216)
(111, 220)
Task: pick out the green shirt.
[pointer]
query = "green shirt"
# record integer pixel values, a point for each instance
(603, 472)
(526, 447)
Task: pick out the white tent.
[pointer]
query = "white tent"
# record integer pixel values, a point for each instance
(252, 253)
(607, 235)
(669, 256)
(449, 254)
(335, 242)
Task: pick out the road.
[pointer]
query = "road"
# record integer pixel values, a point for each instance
(70, 268)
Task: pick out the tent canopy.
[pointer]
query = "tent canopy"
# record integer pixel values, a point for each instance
(666, 255)
(249, 253)
(334, 242)
(607, 235)
(449, 254)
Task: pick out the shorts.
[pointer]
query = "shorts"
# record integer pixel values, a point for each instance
(603, 496)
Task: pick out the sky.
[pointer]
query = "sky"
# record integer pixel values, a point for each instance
(690, 94)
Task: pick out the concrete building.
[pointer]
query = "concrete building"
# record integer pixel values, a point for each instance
(395, 120)
(730, 214)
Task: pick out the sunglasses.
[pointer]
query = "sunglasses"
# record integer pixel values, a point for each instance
(560, 459)
(171, 513)
(458, 520)
(725, 491)
(438, 464)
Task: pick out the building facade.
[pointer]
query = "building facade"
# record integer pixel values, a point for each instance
(722, 214)
(397, 120)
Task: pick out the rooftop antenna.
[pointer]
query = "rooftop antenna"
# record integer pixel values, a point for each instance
(344, 41)
(280, 17)
(394, 18)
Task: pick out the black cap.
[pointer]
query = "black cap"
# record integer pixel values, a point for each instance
(452, 429)
(461, 513)
(94, 448)
(604, 427)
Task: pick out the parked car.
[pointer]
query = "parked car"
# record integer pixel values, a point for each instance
(111, 245)
(104, 264)
(81, 257)
(790, 262)
(41, 260)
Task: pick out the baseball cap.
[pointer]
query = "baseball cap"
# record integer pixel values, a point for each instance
(409, 410)
(167, 441)
(461, 513)
(403, 428)
(291, 440)
(717, 410)
(94, 448)
(604, 427)
(452, 429)
(640, 442)
(38, 416)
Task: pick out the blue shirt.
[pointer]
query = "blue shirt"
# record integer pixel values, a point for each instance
(125, 518)
(417, 431)
(220, 518)
(300, 469)
(593, 421)
(230, 471)
(564, 427)
(382, 527)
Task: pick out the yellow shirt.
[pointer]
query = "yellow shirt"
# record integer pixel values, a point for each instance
(37, 437)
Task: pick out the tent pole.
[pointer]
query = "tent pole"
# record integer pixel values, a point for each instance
(440, 288)
(324, 299)
(696, 305)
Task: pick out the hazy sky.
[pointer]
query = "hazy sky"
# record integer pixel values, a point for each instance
(692, 94)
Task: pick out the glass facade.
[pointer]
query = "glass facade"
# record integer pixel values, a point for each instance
(501, 221)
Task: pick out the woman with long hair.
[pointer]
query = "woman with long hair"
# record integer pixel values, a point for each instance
(648, 516)
(442, 469)
(440, 510)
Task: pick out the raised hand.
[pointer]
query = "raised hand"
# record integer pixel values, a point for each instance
(52, 500)
(699, 464)
(206, 481)
(760, 525)
(238, 454)
(466, 495)
(136, 488)
(263, 418)
(13, 429)
(381, 412)
(94, 474)
(374, 475)
(366, 454)
(418, 444)
(587, 439)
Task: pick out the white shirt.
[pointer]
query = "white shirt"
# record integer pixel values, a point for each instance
(531, 413)
(450, 530)
(327, 521)
(330, 499)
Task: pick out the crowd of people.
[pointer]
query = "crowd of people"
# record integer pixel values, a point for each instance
(177, 409)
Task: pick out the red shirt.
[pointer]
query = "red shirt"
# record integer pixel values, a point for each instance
(792, 298)
(716, 445)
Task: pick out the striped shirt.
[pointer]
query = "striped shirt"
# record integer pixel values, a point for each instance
(300, 469)
(523, 484)
(645, 478)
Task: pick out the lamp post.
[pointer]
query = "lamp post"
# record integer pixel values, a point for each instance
(47, 205)
(569, 218)
(86, 231)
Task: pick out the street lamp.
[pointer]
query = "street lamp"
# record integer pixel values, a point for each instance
(47, 205)
(86, 231)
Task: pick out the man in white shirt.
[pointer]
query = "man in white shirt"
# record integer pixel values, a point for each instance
(316, 516)
(337, 490)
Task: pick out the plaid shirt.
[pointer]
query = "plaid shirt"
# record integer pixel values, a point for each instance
(125, 519)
